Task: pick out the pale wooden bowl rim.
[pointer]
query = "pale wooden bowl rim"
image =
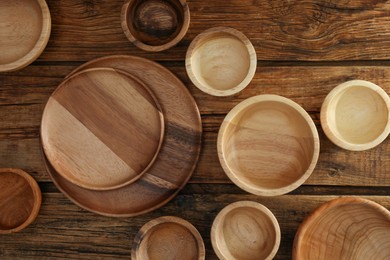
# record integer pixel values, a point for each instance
(139, 175)
(149, 226)
(234, 177)
(155, 48)
(327, 206)
(218, 221)
(40, 45)
(233, 33)
(331, 132)
(37, 198)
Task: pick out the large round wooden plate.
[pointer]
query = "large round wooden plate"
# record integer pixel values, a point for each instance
(178, 155)
(345, 228)
(102, 129)
(25, 27)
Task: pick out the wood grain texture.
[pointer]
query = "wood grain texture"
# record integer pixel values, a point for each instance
(24, 32)
(279, 30)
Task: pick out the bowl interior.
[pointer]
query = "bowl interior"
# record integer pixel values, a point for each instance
(357, 114)
(221, 61)
(267, 145)
(246, 233)
(155, 22)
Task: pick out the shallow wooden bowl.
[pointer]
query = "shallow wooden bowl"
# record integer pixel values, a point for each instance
(245, 230)
(345, 228)
(102, 129)
(168, 238)
(355, 115)
(268, 145)
(20, 200)
(155, 25)
(24, 32)
(221, 61)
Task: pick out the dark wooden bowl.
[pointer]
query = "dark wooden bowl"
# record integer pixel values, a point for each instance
(155, 25)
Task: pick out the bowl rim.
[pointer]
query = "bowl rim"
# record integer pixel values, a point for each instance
(235, 178)
(219, 219)
(230, 32)
(329, 130)
(39, 46)
(155, 48)
(149, 226)
(37, 198)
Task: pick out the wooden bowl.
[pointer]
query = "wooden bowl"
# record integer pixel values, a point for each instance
(102, 129)
(155, 25)
(344, 228)
(355, 115)
(20, 200)
(268, 145)
(221, 61)
(24, 32)
(245, 230)
(168, 238)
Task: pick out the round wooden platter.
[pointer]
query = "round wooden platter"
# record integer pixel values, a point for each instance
(168, 237)
(345, 228)
(268, 145)
(24, 32)
(102, 129)
(178, 154)
(20, 200)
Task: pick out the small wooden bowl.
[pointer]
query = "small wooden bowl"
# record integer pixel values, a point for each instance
(24, 32)
(221, 61)
(20, 200)
(245, 230)
(344, 228)
(155, 25)
(268, 145)
(168, 238)
(355, 115)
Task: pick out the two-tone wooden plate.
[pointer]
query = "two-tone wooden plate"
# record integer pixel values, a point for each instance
(176, 159)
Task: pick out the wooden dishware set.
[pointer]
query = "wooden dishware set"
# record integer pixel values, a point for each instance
(121, 136)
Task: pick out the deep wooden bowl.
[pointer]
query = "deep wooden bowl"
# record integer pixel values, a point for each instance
(168, 238)
(155, 25)
(268, 145)
(102, 129)
(245, 230)
(355, 115)
(221, 61)
(20, 200)
(25, 27)
(344, 228)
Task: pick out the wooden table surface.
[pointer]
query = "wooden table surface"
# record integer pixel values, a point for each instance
(304, 49)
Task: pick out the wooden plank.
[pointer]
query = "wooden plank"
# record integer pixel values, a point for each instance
(63, 230)
(279, 30)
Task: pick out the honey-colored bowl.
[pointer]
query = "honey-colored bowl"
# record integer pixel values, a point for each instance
(168, 237)
(245, 230)
(20, 200)
(355, 115)
(268, 145)
(155, 25)
(25, 27)
(344, 228)
(221, 61)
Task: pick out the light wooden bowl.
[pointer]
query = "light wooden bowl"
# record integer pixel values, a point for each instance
(168, 238)
(344, 228)
(221, 61)
(20, 200)
(245, 230)
(102, 129)
(268, 145)
(155, 25)
(355, 115)
(24, 32)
